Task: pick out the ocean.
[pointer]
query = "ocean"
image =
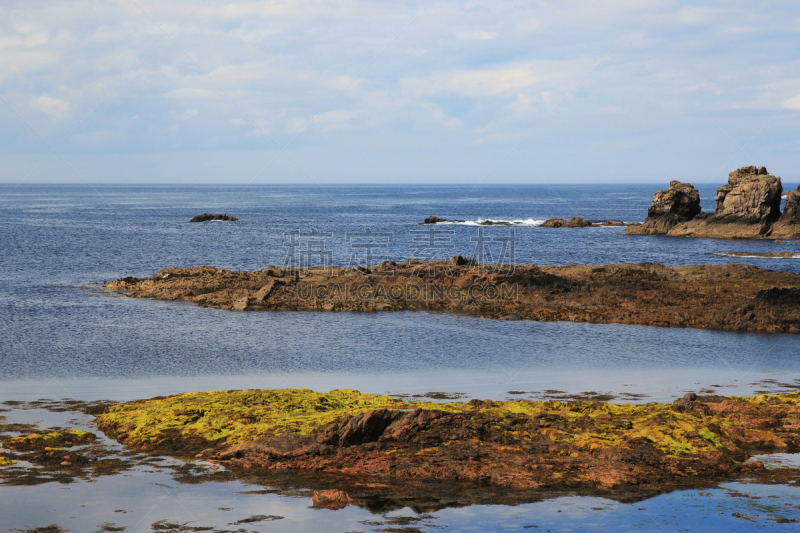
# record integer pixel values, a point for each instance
(63, 336)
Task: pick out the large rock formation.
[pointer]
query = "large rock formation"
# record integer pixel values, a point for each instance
(680, 203)
(746, 208)
(789, 223)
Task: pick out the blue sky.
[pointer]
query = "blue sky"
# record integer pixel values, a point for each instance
(287, 91)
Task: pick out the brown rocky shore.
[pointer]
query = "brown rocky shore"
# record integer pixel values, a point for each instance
(718, 297)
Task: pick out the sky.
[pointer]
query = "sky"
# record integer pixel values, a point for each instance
(433, 91)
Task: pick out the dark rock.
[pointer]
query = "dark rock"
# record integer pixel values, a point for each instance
(788, 225)
(434, 220)
(205, 217)
(746, 208)
(494, 223)
(367, 427)
(574, 222)
(461, 261)
(670, 207)
(778, 295)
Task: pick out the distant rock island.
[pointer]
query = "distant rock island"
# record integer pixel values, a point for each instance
(206, 217)
(748, 207)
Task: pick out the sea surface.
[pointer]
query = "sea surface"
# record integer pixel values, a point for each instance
(63, 336)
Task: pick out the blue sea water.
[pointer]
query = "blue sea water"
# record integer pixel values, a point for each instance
(63, 335)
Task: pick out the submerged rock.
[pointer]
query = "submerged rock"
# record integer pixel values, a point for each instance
(205, 217)
(670, 207)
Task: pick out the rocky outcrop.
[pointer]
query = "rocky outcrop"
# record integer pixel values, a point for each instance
(433, 219)
(746, 208)
(574, 222)
(789, 224)
(205, 217)
(370, 439)
(720, 297)
(670, 207)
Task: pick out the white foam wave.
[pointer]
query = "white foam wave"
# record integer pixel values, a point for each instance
(728, 254)
(530, 222)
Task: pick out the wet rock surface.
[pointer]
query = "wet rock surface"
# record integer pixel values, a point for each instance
(207, 217)
(571, 446)
(720, 297)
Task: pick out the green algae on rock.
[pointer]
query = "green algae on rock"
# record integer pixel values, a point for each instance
(520, 444)
(51, 440)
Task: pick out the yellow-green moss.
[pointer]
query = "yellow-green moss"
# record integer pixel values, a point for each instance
(5, 461)
(45, 437)
(247, 415)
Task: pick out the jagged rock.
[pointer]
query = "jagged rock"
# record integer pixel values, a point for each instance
(746, 208)
(670, 207)
(205, 217)
(574, 222)
(789, 224)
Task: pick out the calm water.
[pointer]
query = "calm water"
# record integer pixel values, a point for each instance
(62, 335)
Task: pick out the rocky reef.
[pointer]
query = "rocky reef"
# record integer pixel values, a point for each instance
(720, 297)
(206, 217)
(517, 444)
(748, 207)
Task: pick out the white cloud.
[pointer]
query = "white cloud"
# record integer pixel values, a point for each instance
(475, 35)
(191, 113)
(501, 80)
(792, 103)
(237, 122)
(189, 93)
(54, 107)
(547, 96)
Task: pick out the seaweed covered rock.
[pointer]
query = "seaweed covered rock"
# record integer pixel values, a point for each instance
(670, 207)
(571, 445)
(746, 208)
(788, 225)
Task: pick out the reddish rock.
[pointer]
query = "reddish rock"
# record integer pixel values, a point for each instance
(332, 499)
